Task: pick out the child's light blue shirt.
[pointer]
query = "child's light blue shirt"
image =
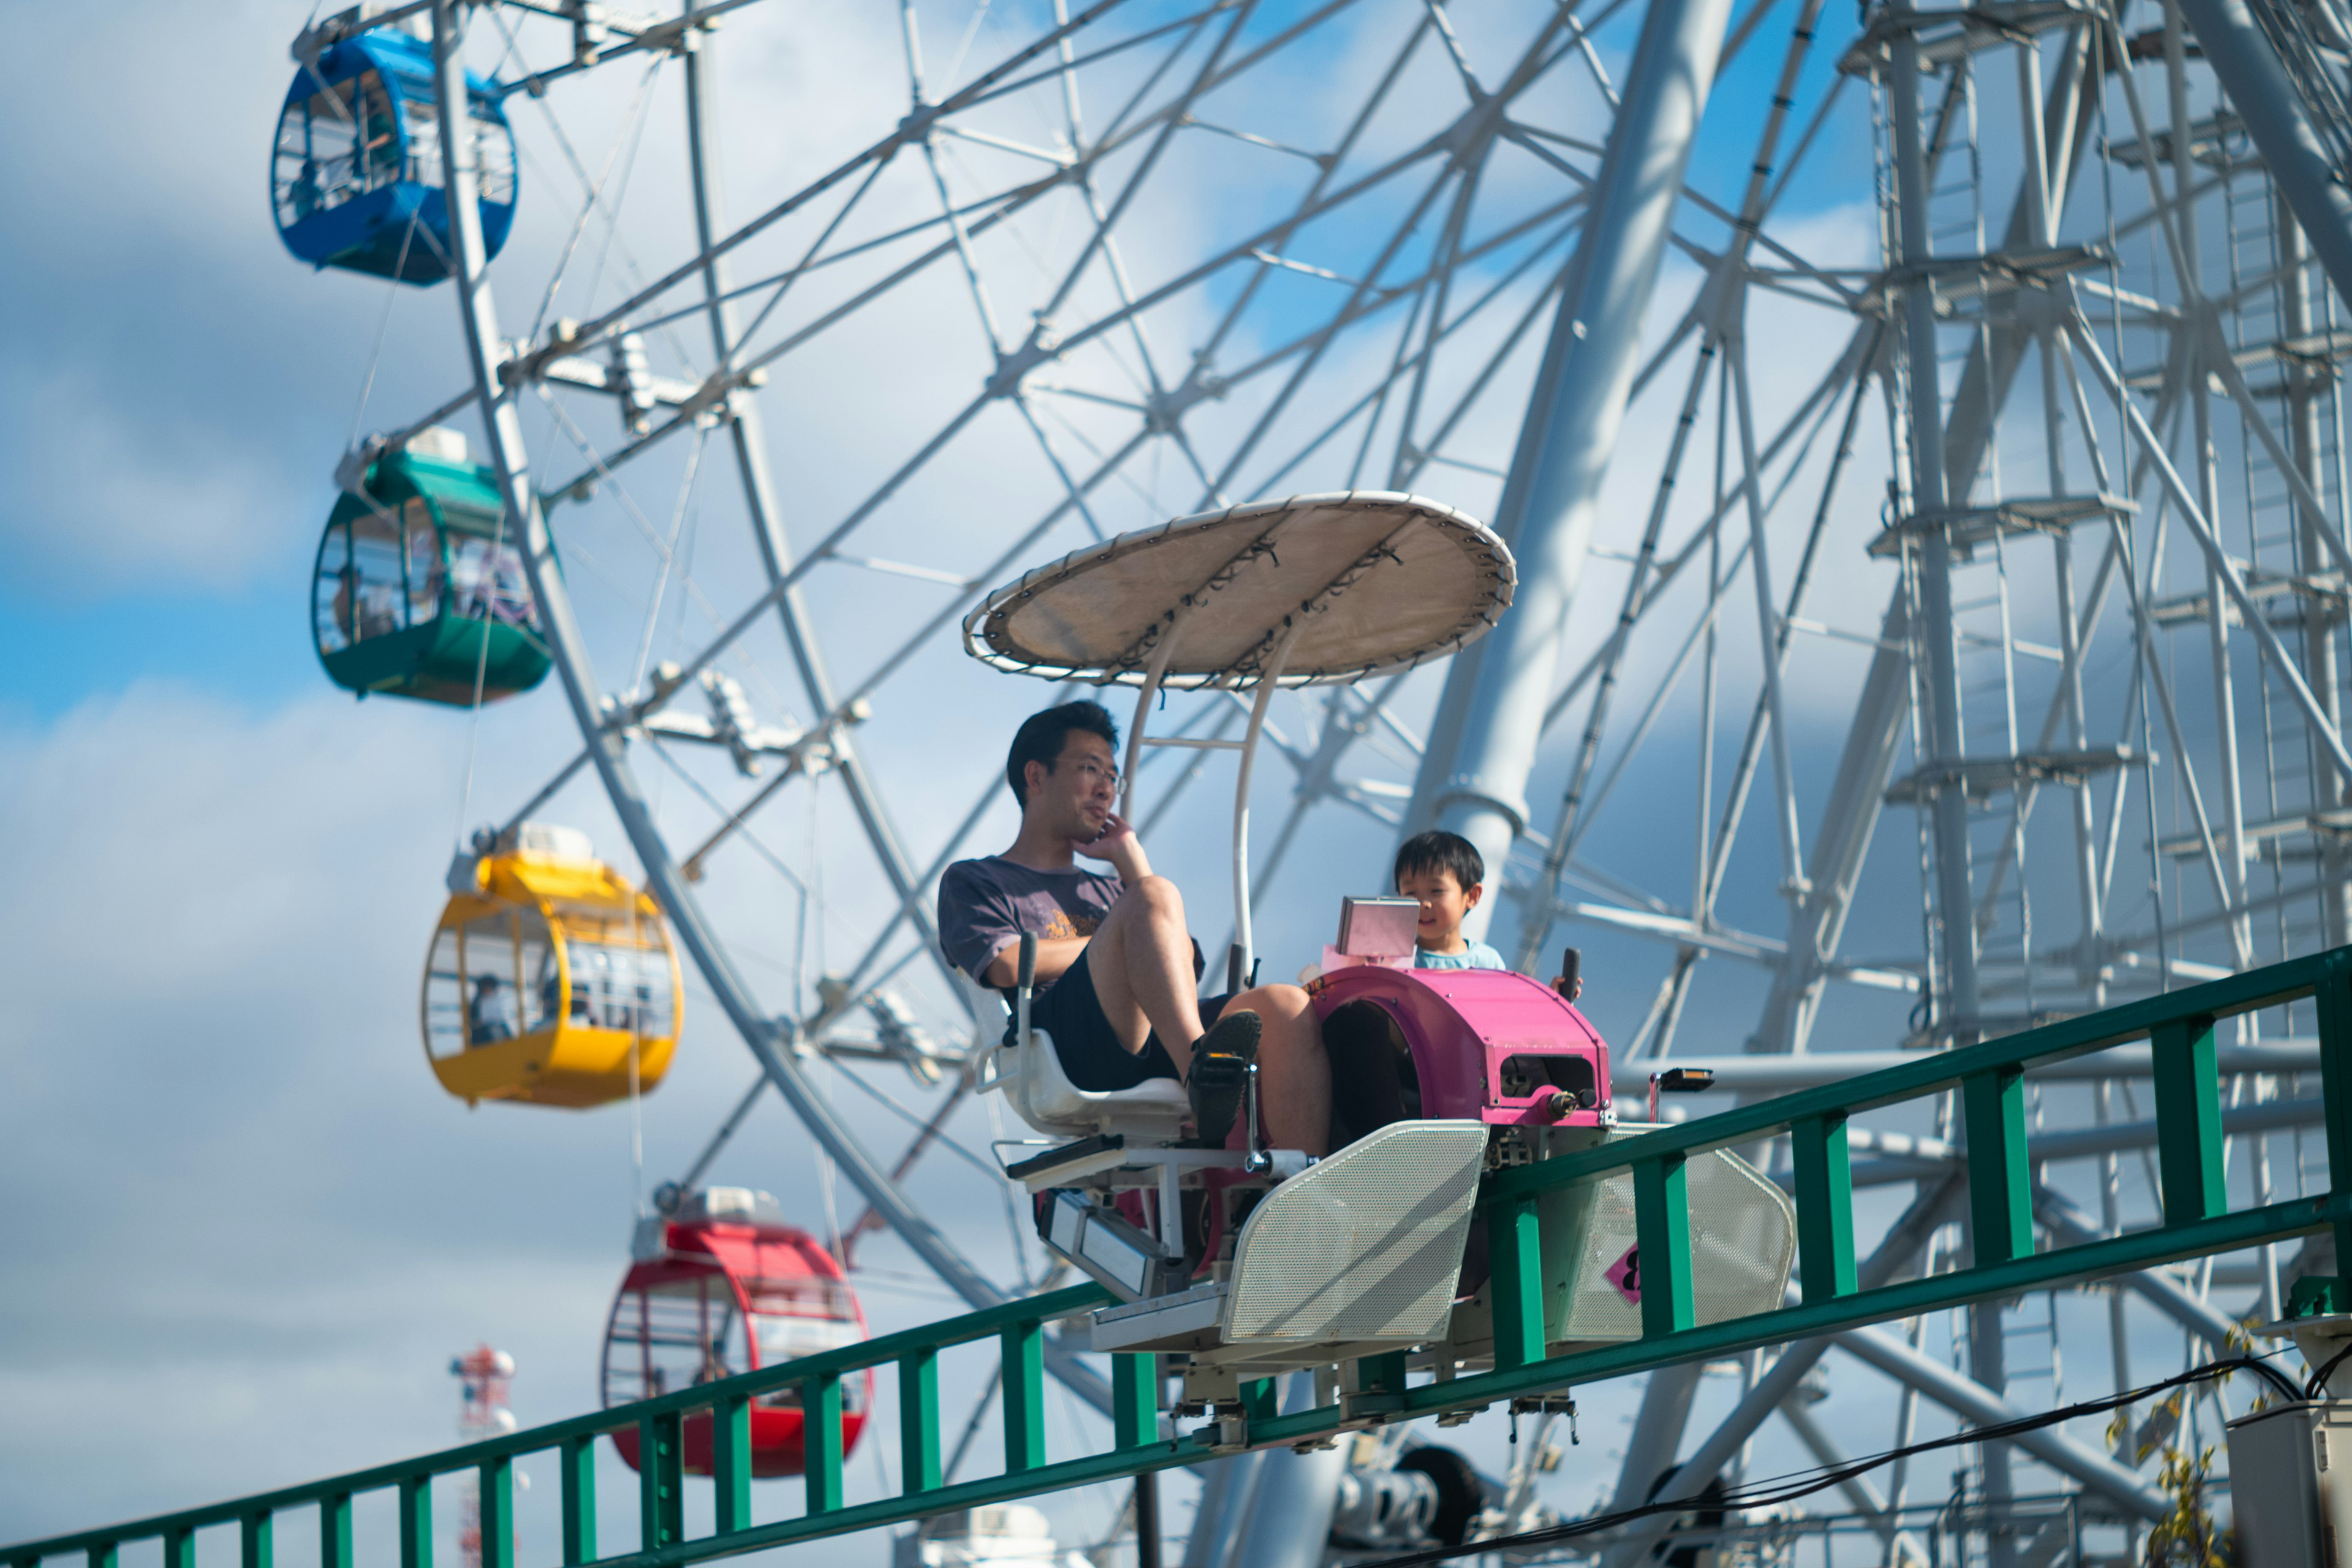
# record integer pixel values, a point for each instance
(1477, 955)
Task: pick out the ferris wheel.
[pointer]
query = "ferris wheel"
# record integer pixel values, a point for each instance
(1090, 270)
(992, 284)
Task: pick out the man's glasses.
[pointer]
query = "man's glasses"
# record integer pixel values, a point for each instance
(1097, 772)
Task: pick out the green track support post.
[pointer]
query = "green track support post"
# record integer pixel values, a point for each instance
(918, 1420)
(256, 1539)
(821, 1442)
(730, 1463)
(1514, 1242)
(2188, 1120)
(1824, 1194)
(103, 1556)
(334, 1531)
(1134, 1400)
(495, 1481)
(2333, 998)
(578, 1458)
(2001, 1186)
(416, 1522)
(1024, 1347)
(1261, 1400)
(661, 1485)
(179, 1551)
(1661, 1242)
(1375, 1373)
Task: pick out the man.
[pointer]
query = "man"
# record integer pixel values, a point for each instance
(1117, 975)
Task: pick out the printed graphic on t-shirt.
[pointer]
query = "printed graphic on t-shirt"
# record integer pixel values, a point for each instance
(1062, 927)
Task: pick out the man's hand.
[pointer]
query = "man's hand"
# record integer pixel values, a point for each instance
(1118, 845)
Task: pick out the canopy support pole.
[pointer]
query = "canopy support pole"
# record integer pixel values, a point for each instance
(1267, 680)
(1153, 676)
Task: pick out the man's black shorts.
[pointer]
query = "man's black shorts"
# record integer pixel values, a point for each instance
(1089, 1046)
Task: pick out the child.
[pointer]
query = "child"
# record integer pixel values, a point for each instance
(1443, 870)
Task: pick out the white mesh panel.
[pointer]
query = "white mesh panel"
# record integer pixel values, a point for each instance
(1743, 1240)
(1365, 1245)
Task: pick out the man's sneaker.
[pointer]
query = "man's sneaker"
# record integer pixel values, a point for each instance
(1221, 1060)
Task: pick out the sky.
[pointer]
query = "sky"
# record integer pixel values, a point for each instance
(246, 1231)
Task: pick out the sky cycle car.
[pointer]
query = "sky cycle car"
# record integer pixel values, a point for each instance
(1242, 1262)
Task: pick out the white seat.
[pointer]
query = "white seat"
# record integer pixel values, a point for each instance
(1041, 1094)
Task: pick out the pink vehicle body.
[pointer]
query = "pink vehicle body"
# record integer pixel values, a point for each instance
(1484, 1043)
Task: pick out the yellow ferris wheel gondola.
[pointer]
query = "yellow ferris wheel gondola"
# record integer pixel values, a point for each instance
(551, 979)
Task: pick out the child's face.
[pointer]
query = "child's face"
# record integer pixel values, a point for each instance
(1443, 902)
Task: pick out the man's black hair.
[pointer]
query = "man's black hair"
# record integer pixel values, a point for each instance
(1441, 851)
(1042, 735)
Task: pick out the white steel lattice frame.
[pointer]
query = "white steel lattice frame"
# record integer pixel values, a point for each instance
(1392, 290)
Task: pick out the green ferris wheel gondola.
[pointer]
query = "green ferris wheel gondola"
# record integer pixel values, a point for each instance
(415, 576)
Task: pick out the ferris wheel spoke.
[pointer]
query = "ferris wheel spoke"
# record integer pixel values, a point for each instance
(815, 257)
(1078, 498)
(1327, 168)
(1167, 122)
(1409, 464)
(878, 151)
(592, 202)
(1437, 289)
(1313, 352)
(1064, 70)
(948, 852)
(1412, 463)
(1059, 159)
(961, 242)
(1005, 560)
(668, 560)
(1360, 305)
(1123, 288)
(1167, 117)
(775, 862)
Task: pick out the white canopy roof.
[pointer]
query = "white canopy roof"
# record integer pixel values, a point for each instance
(1386, 581)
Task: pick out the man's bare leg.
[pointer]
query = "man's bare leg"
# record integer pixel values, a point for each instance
(1294, 1074)
(1140, 959)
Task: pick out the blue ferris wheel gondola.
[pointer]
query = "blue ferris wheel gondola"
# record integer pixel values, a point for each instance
(356, 175)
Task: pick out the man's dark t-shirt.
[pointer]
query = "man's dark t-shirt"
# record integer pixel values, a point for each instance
(986, 904)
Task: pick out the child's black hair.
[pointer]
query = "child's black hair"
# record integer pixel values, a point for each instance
(1042, 737)
(1438, 850)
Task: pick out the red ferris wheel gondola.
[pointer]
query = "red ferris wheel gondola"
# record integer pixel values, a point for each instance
(722, 1286)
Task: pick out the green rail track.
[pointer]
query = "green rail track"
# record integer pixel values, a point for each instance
(1988, 1077)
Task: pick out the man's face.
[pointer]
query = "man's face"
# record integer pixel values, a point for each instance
(1077, 796)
